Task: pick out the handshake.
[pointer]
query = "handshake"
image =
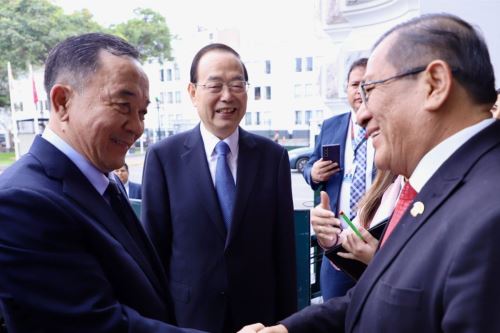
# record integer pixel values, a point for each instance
(254, 328)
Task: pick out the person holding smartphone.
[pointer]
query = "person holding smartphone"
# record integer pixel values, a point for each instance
(346, 179)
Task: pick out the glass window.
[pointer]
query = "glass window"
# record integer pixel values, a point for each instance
(248, 118)
(309, 89)
(169, 75)
(176, 72)
(177, 97)
(297, 91)
(257, 118)
(257, 93)
(162, 75)
(268, 92)
(170, 97)
(309, 64)
(268, 66)
(298, 64)
(308, 116)
(298, 117)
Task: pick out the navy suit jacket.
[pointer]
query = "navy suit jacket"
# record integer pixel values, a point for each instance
(333, 130)
(439, 271)
(217, 278)
(67, 262)
(134, 190)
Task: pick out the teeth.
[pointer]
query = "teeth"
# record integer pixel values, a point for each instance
(226, 110)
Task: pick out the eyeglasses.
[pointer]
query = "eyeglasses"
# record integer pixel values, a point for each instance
(367, 86)
(236, 86)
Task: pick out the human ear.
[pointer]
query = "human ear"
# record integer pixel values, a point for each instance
(438, 81)
(192, 92)
(60, 96)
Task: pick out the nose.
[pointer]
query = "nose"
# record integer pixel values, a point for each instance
(363, 116)
(135, 124)
(226, 94)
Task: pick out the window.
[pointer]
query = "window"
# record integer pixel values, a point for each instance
(162, 75)
(268, 66)
(26, 126)
(170, 97)
(298, 64)
(176, 72)
(308, 116)
(268, 92)
(169, 75)
(248, 118)
(298, 117)
(309, 89)
(297, 91)
(257, 118)
(309, 64)
(257, 93)
(319, 114)
(177, 97)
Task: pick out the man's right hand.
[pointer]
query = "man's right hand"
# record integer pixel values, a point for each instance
(322, 170)
(325, 225)
(261, 329)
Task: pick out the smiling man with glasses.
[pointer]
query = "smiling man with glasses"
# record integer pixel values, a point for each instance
(217, 203)
(437, 269)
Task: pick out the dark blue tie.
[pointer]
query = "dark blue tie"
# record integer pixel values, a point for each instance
(224, 183)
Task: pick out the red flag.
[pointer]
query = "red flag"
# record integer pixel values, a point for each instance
(35, 95)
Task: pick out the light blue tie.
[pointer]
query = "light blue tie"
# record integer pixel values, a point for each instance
(358, 185)
(224, 183)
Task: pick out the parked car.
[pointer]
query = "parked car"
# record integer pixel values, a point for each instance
(299, 157)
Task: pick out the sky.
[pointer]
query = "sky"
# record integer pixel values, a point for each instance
(264, 18)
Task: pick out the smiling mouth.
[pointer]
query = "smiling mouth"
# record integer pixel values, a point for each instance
(373, 133)
(121, 143)
(225, 110)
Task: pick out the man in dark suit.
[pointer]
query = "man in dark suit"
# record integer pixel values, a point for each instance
(133, 189)
(427, 97)
(222, 224)
(337, 178)
(74, 257)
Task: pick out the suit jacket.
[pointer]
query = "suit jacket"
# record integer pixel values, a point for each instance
(222, 280)
(439, 271)
(333, 130)
(68, 263)
(134, 190)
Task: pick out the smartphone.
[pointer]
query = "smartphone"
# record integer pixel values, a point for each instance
(331, 152)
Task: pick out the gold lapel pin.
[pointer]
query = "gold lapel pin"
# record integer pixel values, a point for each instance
(417, 209)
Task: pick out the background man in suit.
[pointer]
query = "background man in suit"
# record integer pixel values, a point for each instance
(74, 257)
(133, 189)
(427, 97)
(223, 225)
(337, 179)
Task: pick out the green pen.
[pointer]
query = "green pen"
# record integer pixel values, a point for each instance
(353, 227)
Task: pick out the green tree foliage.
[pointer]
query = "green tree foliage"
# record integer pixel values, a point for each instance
(149, 32)
(30, 28)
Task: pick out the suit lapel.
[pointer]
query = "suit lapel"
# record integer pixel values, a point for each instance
(442, 184)
(195, 161)
(81, 192)
(248, 166)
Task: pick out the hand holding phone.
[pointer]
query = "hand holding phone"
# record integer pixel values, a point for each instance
(331, 152)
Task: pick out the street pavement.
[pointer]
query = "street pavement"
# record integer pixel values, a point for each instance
(301, 192)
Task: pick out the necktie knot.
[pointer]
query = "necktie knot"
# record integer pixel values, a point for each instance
(408, 193)
(222, 148)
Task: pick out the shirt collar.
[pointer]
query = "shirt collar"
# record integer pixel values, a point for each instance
(96, 177)
(210, 140)
(431, 161)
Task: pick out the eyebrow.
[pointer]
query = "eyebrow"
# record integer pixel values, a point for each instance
(218, 78)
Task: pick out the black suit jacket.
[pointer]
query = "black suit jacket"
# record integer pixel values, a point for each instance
(67, 262)
(134, 190)
(217, 278)
(439, 271)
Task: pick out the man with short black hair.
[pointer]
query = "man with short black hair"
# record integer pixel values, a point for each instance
(73, 256)
(133, 189)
